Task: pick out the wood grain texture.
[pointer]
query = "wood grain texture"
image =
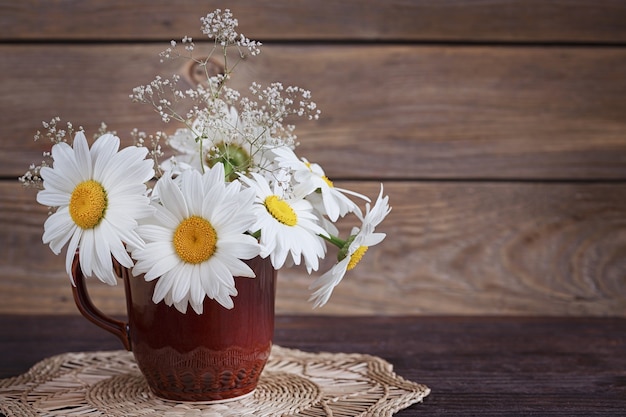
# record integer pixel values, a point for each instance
(452, 248)
(475, 366)
(333, 20)
(393, 111)
(497, 127)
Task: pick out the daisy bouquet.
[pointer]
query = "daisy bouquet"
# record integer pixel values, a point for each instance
(233, 189)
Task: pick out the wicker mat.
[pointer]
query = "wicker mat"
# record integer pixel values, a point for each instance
(294, 383)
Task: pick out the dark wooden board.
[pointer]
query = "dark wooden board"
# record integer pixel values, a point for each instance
(398, 111)
(331, 20)
(475, 366)
(497, 126)
(451, 248)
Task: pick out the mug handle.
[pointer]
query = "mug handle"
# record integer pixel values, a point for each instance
(90, 311)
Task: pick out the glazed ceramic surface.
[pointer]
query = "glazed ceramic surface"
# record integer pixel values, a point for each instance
(217, 355)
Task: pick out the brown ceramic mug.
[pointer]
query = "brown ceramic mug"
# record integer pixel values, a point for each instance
(215, 356)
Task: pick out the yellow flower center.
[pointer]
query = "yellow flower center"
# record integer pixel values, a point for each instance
(281, 210)
(195, 240)
(356, 257)
(88, 204)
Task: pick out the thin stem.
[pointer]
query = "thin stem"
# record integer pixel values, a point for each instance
(334, 240)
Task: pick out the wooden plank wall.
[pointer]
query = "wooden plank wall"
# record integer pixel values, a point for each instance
(498, 129)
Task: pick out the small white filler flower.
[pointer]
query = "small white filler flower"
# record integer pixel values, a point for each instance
(99, 194)
(197, 239)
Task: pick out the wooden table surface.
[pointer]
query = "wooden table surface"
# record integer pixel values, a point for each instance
(483, 366)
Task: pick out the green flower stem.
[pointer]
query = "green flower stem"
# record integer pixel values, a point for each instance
(334, 240)
(199, 140)
(343, 245)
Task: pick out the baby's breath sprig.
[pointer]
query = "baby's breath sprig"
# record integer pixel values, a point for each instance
(275, 103)
(31, 178)
(103, 130)
(153, 143)
(222, 27)
(163, 95)
(172, 52)
(55, 134)
(227, 126)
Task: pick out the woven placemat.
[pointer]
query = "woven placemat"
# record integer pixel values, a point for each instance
(294, 383)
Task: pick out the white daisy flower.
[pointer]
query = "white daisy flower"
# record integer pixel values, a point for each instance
(184, 141)
(99, 194)
(197, 240)
(288, 226)
(353, 250)
(311, 178)
(219, 136)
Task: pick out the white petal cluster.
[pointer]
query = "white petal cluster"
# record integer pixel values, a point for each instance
(228, 209)
(234, 188)
(310, 178)
(122, 176)
(363, 237)
(286, 244)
